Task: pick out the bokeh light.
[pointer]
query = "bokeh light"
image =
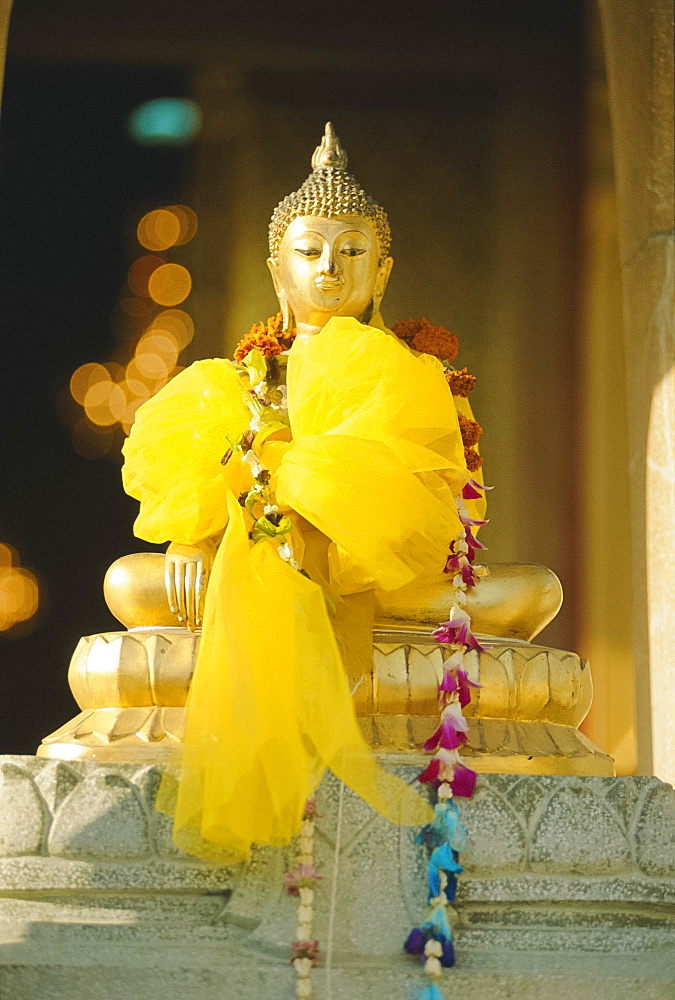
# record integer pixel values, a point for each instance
(86, 376)
(187, 220)
(169, 284)
(19, 591)
(150, 332)
(159, 229)
(165, 121)
(177, 323)
(141, 271)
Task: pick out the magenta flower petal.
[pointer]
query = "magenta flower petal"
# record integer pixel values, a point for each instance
(303, 877)
(458, 722)
(472, 521)
(432, 743)
(448, 684)
(465, 685)
(470, 492)
(472, 541)
(450, 737)
(453, 563)
(430, 772)
(463, 782)
(473, 490)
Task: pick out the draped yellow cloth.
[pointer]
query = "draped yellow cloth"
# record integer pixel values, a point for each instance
(374, 464)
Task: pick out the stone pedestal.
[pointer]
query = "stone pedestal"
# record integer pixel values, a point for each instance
(568, 889)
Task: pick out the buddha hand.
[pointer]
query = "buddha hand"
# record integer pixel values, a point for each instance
(186, 574)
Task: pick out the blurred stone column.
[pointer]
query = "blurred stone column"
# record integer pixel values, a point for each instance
(5, 11)
(219, 91)
(638, 41)
(605, 584)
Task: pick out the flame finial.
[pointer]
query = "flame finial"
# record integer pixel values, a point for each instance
(330, 153)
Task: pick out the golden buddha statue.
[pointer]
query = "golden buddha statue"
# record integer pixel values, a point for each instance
(329, 257)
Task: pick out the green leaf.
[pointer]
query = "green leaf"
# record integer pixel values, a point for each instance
(265, 529)
(252, 499)
(271, 427)
(255, 365)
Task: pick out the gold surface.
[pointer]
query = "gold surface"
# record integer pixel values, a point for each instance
(516, 601)
(132, 688)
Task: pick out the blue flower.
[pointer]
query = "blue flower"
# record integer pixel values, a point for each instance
(437, 926)
(431, 992)
(415, 942)
(448, 956)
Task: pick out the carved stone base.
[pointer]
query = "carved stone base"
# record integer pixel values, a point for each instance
(132, 687)
(568, 890)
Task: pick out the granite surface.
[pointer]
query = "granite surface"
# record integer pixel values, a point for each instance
(568, 881)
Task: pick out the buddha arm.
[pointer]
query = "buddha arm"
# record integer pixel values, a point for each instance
(186, 575)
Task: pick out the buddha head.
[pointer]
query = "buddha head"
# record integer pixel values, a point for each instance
(329, 246)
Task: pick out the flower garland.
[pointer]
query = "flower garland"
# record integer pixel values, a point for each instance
(445, 836)
(269, 415)
(301, 882)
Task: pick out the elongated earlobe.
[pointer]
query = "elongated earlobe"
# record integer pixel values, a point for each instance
(381, 281)
(284, 305)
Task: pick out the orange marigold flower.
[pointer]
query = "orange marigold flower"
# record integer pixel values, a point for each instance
(471, 430)
(406, 329)
(460, 382)
(268, 346)
(473, 459)
(428, 339)
(436, 340)
(268, 338)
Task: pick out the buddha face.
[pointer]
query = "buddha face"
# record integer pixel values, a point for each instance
(329, 267)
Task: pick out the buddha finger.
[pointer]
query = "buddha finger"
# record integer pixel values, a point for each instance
(200, 591)
(170, 585)
(190, 602)
(180, 590)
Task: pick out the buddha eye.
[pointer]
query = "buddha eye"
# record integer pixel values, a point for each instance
(307, 251)
(352, 251)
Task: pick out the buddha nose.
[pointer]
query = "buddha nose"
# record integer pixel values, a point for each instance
(328, 261)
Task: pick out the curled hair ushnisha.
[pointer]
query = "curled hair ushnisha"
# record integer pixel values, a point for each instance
(329, 191)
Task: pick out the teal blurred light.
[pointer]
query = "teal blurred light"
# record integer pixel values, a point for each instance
(165, 121)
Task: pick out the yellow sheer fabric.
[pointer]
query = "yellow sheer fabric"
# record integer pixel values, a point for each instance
(269, 710)
(367, 418)
(374, 464)
(172, 458)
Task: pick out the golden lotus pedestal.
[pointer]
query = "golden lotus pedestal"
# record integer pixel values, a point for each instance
(132, 687)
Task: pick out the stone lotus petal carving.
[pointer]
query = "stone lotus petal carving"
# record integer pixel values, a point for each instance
(23, 816)
(132, 688)
(80, 829)
(93, 827)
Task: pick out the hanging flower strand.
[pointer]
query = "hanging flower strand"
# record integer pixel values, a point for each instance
(301, 882)
(445, 836)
